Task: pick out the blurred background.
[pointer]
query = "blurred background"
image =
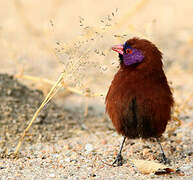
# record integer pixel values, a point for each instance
(41, 39)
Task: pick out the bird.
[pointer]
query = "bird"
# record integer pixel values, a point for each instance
(139, 100)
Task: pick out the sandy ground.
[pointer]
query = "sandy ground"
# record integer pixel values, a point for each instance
(42, 39)
(61, 146)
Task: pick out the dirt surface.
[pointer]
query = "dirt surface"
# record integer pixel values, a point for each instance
(19, 103)
(63, 145)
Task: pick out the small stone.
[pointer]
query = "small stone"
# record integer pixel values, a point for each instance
(61, 161)
(67, 159)
(190, 153)
(55, 155)
(52, 175)
(104, 141)
(93, 175)
(64, 177)
(89, 147)
(43, 157)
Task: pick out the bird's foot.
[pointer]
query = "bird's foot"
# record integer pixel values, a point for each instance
(118, 160)
(164, 159)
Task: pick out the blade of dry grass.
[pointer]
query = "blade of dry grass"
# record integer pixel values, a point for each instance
(62, 84)
(56, 86)
(50, 95)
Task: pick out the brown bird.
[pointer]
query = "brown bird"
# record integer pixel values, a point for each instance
(139, 100)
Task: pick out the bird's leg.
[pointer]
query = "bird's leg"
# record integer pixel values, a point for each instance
(119, 158)
(164, 159)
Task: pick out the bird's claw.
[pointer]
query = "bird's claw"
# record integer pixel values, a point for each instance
(118, 160)
(164, 159)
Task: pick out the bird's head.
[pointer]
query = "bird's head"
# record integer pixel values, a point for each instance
(138, 51)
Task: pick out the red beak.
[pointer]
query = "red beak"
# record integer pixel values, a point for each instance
(118, 48)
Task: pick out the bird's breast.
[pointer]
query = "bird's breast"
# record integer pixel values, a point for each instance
(138, 105)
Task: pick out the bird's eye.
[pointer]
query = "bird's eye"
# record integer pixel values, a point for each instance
(129, 51)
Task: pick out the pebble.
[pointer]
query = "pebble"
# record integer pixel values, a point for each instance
(67, 159)
(55, 155)
(104, 141)
(89, 147)
(52, 175)
(61, 161)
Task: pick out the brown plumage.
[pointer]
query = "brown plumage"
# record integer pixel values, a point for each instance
(139, 100)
